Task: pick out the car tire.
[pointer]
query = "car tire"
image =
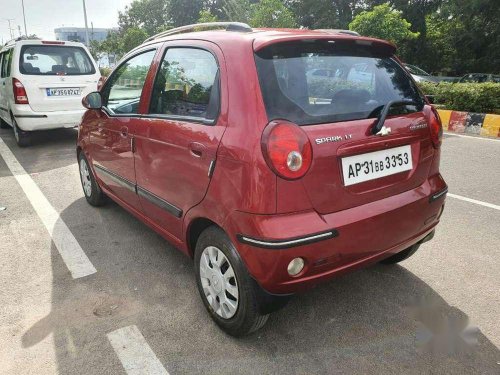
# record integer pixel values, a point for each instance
(91, 189)
(23, 138)
(3, 124)
(216, 261)
(402, 255)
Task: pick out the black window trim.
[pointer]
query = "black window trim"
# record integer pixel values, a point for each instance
(190, 119)
(5, 59)
(25, 73)
(117, 68)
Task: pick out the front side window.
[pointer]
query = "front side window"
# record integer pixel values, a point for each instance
(50, 60)
(122, 93)
(321, 82)
(187, 85)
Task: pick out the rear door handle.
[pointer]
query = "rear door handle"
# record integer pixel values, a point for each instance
(197, 149)
(124, 131)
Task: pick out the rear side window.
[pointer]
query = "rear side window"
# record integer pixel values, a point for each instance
(187, 85)
(123, 91)
(320, 82)
(52, 60)
(6, 63)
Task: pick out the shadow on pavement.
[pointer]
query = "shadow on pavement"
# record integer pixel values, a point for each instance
(50, 149)
(382, 319)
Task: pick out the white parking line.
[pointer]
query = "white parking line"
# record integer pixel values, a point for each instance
(475, 201)
(472, 137)
(72, 254)
(134, 352)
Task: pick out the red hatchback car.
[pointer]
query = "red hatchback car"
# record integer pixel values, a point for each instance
(274, 177)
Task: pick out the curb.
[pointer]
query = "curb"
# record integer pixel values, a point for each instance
(484, 124)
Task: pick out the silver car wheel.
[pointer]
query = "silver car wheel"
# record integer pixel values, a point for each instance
(85, 177)
(219, 282)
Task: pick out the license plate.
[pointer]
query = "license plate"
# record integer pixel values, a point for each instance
(64, 92)
(373, 165)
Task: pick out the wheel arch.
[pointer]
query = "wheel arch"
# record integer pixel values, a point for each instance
(194, 230)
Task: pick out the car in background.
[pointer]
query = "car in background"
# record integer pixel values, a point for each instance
(479, 78)
(224, 144)
(42, 84)
(420, 75)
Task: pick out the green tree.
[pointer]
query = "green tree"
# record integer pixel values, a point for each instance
(150, 15)
(112, 45)
(272, 13)
(415, 12)
(132, 38)
(438, 54)
(206, 16)
(476, 35)
(95, 49)
(182, 12)
(239, 10)
(385, 23)
(227, 10)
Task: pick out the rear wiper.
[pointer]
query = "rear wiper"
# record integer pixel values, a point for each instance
(385, 111)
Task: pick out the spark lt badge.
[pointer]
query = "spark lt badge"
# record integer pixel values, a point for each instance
(418, 126)
(336, 138)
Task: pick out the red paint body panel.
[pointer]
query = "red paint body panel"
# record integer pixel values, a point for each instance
(327, 191)
(171, 160)
(371, 231)
(111, 148)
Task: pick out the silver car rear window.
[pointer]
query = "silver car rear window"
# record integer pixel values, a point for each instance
(50, 60)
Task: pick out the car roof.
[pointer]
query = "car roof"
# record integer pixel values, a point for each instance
(22, 42)
(260, 38)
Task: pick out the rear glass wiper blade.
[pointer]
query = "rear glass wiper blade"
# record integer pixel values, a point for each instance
(385, 111)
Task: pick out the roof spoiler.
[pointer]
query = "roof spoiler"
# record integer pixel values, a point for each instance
(382, 46)
(339, 31)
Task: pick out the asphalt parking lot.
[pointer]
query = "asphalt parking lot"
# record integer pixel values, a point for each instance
(140, 311)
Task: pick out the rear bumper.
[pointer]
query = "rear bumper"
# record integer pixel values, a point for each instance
(28, 120)
(336, 243)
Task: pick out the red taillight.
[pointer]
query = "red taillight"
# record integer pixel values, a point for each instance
(435, 126)
(20, 96)
(287, 149)
(100, 83)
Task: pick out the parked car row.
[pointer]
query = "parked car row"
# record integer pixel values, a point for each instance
(276, 159)
(42, 84)
(420, 75)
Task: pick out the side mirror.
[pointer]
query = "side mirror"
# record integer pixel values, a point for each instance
(92, 100)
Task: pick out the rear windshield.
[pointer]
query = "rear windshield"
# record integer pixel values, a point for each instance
(320, 82)
(55, 60)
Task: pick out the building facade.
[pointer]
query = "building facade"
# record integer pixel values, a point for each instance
(77, 34)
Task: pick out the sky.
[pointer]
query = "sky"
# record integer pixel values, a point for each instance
(43, 16)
